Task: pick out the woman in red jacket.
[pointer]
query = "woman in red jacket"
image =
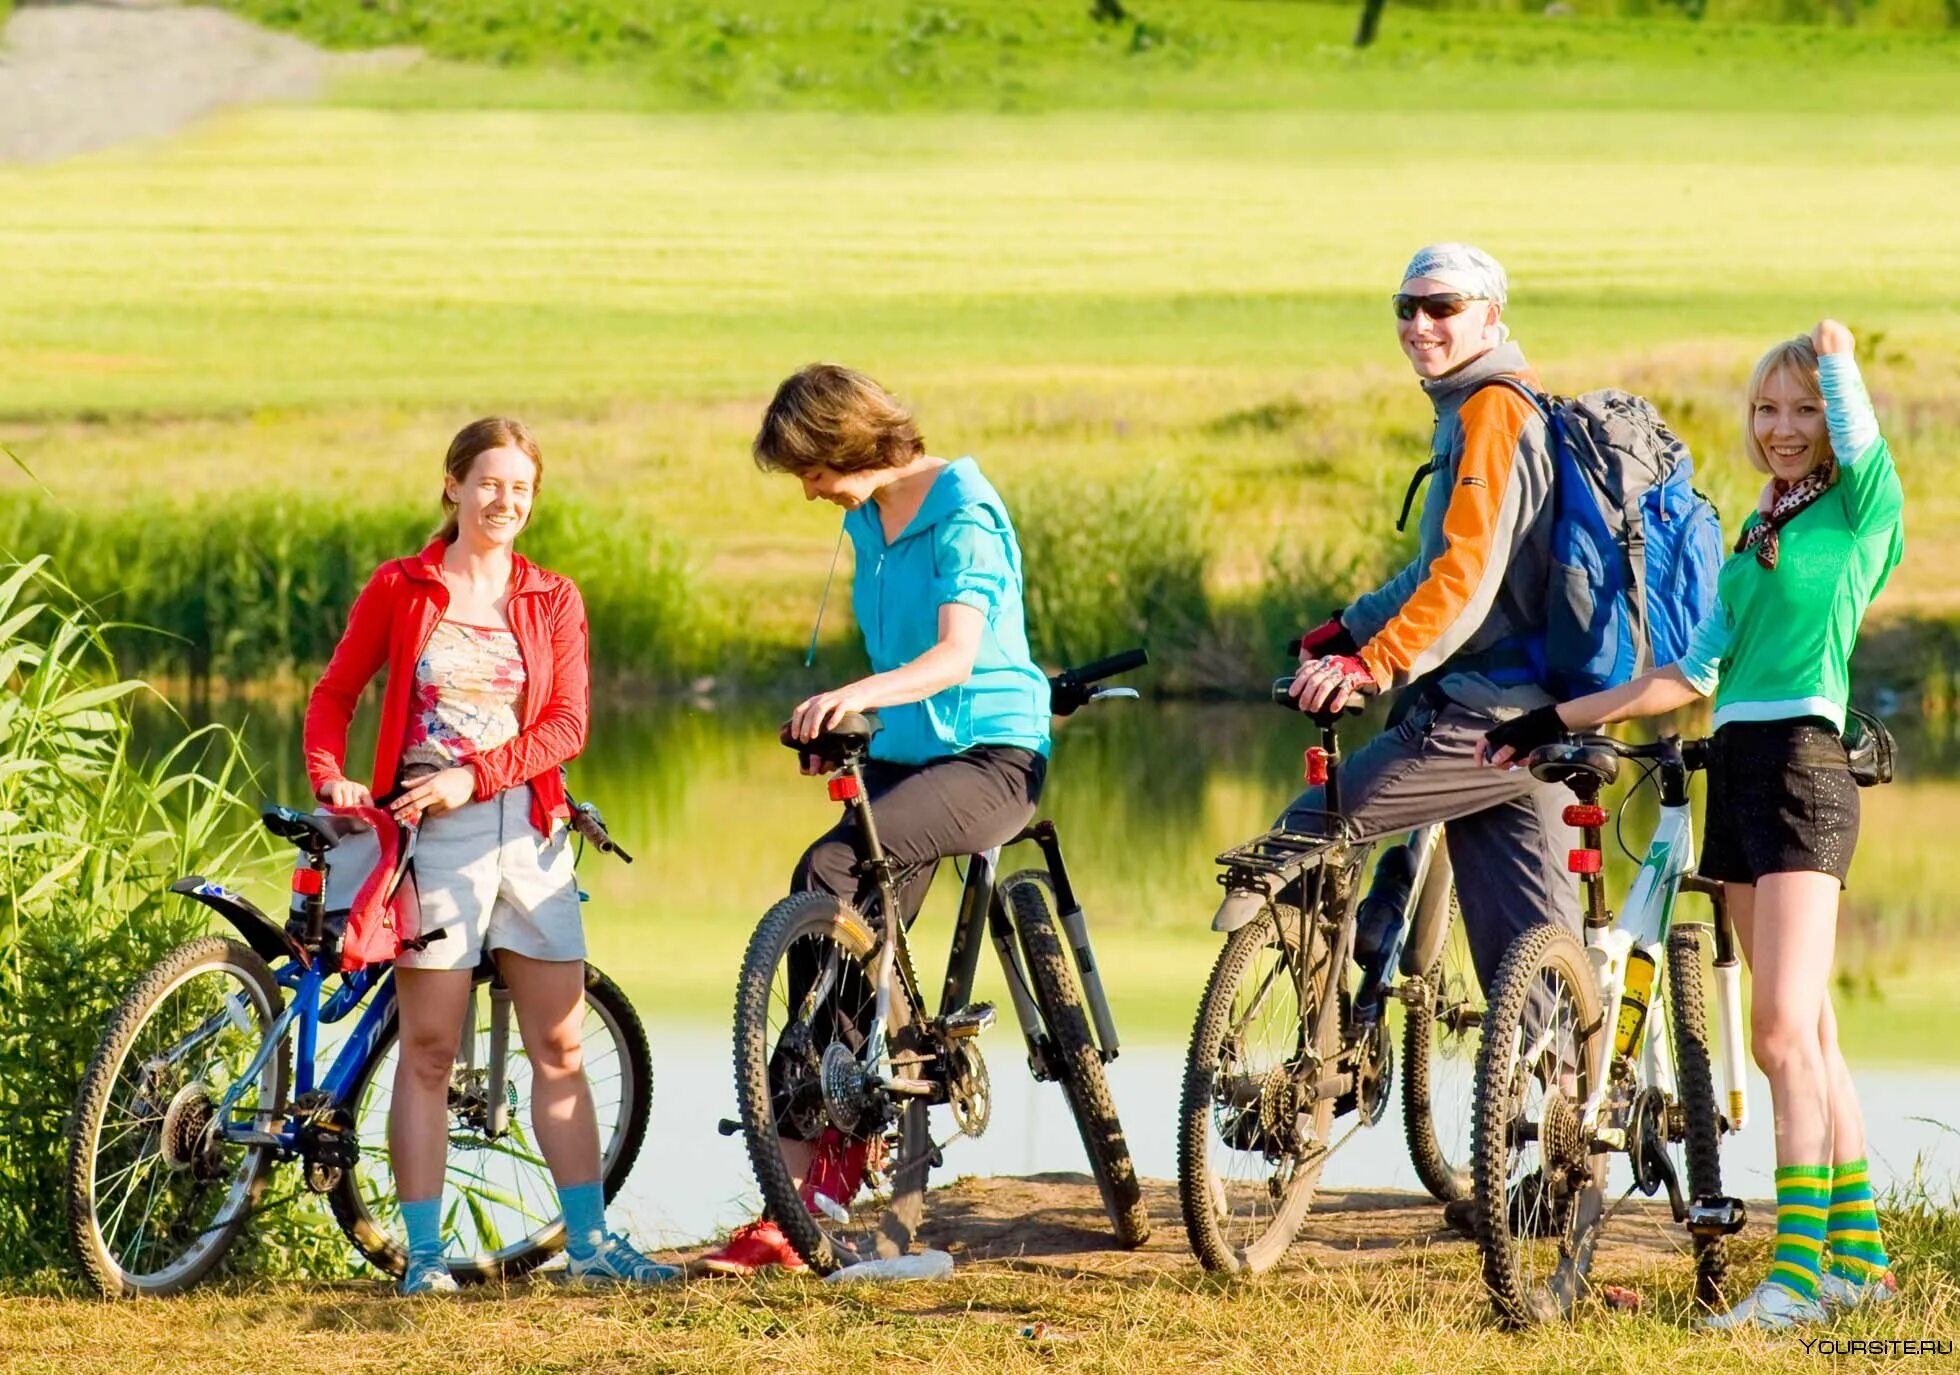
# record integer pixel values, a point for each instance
(485, 697)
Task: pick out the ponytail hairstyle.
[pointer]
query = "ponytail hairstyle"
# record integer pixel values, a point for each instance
(471, 442)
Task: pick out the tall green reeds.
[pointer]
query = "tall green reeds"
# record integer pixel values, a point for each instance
(259, 590)
(91, 836)
(1110, 565)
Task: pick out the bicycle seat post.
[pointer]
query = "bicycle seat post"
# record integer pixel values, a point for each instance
(1588, 861)
(311, 884)
(1330, 748)
(847, 786)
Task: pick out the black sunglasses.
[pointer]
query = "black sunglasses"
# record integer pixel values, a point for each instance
(1438, 307)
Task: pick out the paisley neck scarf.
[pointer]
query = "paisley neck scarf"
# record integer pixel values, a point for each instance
(1791, 497)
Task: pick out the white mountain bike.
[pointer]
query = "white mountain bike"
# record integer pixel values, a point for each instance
(1574, 1068)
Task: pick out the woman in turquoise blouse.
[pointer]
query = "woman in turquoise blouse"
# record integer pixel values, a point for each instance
(959, 763)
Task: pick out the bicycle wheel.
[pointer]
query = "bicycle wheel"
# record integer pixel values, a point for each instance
(1539, 1186)
(1439, 1059)
(1694, 1080)
(1251, 1139)
(1073, 1058)
(804, 1009)
(155, 1195)
(500, 1216)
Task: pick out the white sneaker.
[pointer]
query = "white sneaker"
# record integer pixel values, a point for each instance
(1841, 1295)
(427, 1277)
(616, 1262)
(1768, 1307)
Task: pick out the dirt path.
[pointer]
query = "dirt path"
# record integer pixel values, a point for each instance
(77, 77)
(1055, 1223)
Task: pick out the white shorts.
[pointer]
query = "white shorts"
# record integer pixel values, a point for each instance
(488, 880)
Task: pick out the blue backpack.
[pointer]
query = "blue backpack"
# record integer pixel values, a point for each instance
(1636, 550)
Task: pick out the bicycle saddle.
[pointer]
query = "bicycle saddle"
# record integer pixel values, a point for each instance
(1570, 760)
(850, 735)
(307, 830)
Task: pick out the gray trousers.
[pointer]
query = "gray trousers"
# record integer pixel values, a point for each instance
(1508, 844)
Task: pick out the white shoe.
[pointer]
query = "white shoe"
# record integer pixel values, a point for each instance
(1768, 1307)
(427, 1277)
(1841, 1295)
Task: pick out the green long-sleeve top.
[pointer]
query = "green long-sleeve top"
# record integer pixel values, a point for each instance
(1777, 645)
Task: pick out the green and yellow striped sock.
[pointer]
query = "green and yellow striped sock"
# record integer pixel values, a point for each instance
(1803, 1201)
(1857, 1253)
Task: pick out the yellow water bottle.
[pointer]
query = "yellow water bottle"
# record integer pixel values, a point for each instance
(1633, 1003)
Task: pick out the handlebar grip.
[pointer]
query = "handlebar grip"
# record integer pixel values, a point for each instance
(1283, 697)
(1110, 667)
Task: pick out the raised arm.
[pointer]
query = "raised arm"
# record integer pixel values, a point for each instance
(1870, 481)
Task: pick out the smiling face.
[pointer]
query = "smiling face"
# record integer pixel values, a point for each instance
(1436, 346)
(493, 499)
(1786, 419)
(848, 490)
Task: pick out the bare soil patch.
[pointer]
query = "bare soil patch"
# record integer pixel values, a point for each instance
(1054, 1223)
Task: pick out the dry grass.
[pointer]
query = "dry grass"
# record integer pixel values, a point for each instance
(1422, 1310)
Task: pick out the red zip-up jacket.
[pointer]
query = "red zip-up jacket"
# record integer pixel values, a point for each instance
(391, 623)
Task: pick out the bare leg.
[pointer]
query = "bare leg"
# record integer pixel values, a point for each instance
(549, 996)
(1847, 1117)
(431, 1003)
(1791, 940)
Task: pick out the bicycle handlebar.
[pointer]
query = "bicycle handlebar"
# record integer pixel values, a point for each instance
(1069, 690)
(588, 823)
(1283, 697)
(1694, 753)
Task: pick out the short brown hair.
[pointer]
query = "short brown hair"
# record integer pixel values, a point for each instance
(1796, 357)
(826, 416)
(475, 439)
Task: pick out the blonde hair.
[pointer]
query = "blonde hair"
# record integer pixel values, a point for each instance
(826, 416)
(1792, 358)
(474, 440)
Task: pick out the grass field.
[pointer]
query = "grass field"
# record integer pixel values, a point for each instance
(307, 301)
(1420, 1309)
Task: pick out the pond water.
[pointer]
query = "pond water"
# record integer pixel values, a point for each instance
(1145, 794)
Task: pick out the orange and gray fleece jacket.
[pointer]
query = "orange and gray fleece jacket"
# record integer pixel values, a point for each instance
(1477, 582)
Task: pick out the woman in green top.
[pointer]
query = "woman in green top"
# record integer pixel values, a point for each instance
(1782, 808)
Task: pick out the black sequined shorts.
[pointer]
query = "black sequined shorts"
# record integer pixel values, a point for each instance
(1780, 799)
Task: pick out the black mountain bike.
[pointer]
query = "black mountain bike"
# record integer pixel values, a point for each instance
(833, 1033)
(1287, 1040)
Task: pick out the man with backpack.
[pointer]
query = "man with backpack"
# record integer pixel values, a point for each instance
(1485, 616)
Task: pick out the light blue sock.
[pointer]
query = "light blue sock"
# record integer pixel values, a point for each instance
(585, 1218)
(423, 1218)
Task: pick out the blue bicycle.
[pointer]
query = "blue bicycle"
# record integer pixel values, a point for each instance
(196, 1094)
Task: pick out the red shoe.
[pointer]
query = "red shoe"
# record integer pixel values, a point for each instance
(757, 1246)
(836, 1174)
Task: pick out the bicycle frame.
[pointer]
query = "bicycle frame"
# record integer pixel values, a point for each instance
(1642, 928)
(980, 908)
(306, 1011)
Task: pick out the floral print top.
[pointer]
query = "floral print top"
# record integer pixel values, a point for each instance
(469, 685)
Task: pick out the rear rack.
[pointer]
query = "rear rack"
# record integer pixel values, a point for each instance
(1287, 853)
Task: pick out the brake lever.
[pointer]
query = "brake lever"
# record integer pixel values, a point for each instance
(1121, 692)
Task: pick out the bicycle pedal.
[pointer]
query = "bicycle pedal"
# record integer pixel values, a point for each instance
(968, 1022)
(728, 1126)
(1717, 1216)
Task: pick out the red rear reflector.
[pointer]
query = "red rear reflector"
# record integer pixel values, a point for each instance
(1583, 861)
(306, 882)
(844, 789)
(1316, 766)
(1585, 816)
